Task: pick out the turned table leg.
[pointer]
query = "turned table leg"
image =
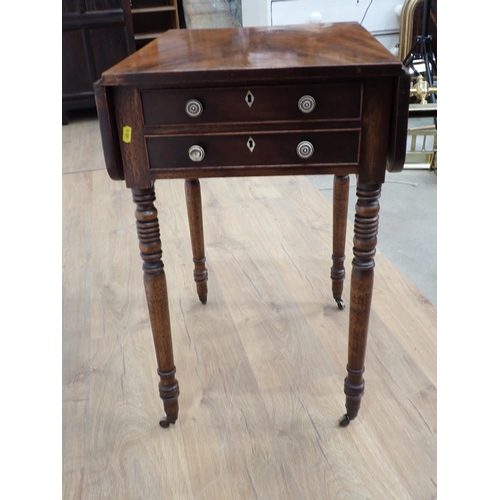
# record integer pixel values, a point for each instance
(340, 204)
(365, 241)
(155, 285)
(195, 216)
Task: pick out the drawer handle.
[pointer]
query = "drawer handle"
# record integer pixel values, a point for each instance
(196, 153)
(307, 104)
(194, 108)
(305, 149)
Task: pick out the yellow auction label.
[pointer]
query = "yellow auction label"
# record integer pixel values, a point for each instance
(127, 134)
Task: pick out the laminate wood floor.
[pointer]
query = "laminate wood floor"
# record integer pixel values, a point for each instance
(260, 367)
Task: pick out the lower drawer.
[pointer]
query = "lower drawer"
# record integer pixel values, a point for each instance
(326, 147)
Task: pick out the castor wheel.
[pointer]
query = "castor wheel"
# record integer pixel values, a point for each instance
(166, 422)
(340, 304)
(344, 421)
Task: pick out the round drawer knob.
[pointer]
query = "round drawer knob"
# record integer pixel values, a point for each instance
(196, 153)
(194, 108)
(305, 149)
(307, 104)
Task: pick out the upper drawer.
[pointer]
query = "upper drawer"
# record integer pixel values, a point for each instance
(252, 104)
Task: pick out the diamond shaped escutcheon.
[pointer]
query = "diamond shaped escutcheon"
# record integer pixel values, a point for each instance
(249, 98)
(251, 144)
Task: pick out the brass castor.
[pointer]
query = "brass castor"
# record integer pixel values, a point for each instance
(340, 304)
(344, 421)
(167, 421)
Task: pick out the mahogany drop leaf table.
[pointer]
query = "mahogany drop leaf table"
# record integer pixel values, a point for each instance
(313, 99)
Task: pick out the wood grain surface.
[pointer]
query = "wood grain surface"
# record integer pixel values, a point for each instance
(260, 367)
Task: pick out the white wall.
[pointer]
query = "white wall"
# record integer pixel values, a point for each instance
(256, 12)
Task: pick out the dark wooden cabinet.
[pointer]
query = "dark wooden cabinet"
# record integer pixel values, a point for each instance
(96, 34)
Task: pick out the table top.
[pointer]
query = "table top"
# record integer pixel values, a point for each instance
(358, 126)
(256, 54)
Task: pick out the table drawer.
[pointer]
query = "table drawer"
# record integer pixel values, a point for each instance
(252, 104)
(326, 147)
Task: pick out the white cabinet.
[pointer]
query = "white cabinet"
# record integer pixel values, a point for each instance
(380, 17)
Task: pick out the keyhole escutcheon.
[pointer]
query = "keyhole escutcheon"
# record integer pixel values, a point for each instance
(250, 144)
(249, 98)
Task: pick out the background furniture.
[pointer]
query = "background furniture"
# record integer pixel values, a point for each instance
(419, 21)
(96, 34)
(257, 102)
(380, 17)
(412, 15)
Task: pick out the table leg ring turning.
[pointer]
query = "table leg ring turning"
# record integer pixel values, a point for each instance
(169, 393)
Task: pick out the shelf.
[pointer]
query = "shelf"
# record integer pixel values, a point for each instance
(162, 8)
(147, 36)
(151, 18)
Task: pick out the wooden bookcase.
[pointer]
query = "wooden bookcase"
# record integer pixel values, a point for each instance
(151, 18)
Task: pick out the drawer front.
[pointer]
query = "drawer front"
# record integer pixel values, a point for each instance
(252, 104)
(329, 147)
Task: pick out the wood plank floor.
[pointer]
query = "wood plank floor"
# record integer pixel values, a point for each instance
(260, 367)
